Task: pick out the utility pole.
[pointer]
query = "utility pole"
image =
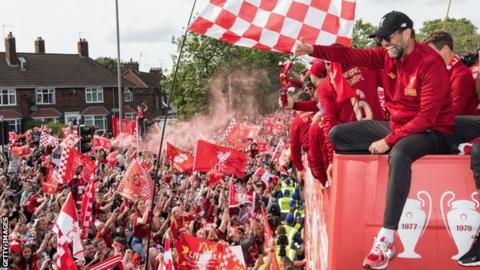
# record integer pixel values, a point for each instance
(119, 73)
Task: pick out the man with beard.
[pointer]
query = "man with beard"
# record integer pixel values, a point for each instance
(416, 84)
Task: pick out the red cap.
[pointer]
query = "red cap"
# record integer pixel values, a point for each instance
(318, 69)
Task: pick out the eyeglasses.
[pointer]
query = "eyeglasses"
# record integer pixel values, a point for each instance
(387, 38)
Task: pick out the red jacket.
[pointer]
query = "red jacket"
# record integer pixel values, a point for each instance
(416, 88)
(299, 137)
(462, 87)
(317, 154)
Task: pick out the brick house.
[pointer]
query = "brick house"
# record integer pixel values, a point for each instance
(59, 87)
(146, 88)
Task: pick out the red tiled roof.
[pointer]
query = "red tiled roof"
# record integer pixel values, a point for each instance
(95, 110)
(46, 112)
(10, 114)
(57, 70)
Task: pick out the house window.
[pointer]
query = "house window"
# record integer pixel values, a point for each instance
(99, 121)
(45, 95)
(94, 95)
(72, 117)
(128, 95)
(130, 116)
(8, 97)
(14, 125)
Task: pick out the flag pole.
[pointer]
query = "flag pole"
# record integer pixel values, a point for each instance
(156, 166)
(446, 15)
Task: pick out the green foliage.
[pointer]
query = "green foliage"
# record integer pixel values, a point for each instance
(56, 127)
(464, 33)
(206, 58)
(108, 63)
(361, 30)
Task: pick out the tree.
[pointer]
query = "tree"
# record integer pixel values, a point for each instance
(361, 30)
(464, 33)
(108, 63)
(205, 59)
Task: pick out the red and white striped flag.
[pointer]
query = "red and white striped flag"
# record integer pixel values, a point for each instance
(86, 217)
(167, 257)
(108, 264)
(275, 25)
(68, 231)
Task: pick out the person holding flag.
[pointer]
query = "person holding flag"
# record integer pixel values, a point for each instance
(421, 117)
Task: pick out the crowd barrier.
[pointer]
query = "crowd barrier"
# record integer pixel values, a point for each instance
(437, 226)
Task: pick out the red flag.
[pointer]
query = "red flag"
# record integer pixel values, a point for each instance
(49, 185)
(214, 178)
(230, 261)
(342, 87)
(70, 160)
(109, 263)
(136, 183)
(181, 159)
(86, 217)
(238, 195)
(239, 135)
(219, 158)
(67, 226)
(195, 253)
(20, 151)
(276, 25)
(101, 143)
(268, 239)
(128, 126)
(167, 256)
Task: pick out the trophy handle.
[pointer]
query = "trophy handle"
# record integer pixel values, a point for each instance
(423, 205)
(444, 218)
(477, 204)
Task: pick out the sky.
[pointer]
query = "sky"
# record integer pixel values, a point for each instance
(147, 26)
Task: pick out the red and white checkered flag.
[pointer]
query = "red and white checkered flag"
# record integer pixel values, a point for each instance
(230, 261)
(275, 25)
(47, 140)
(86, 217)
(229, 129)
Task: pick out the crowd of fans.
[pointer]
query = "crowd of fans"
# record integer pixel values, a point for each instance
(183, 203)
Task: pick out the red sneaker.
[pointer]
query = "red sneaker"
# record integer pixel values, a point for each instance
(379, 255)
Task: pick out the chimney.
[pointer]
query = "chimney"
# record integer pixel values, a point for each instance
(40, 46)
(82, 48)
(10, 51)
(156, 71)
(131, 65)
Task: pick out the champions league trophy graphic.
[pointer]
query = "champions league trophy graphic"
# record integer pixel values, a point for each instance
(413, 223)
(461, 221)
